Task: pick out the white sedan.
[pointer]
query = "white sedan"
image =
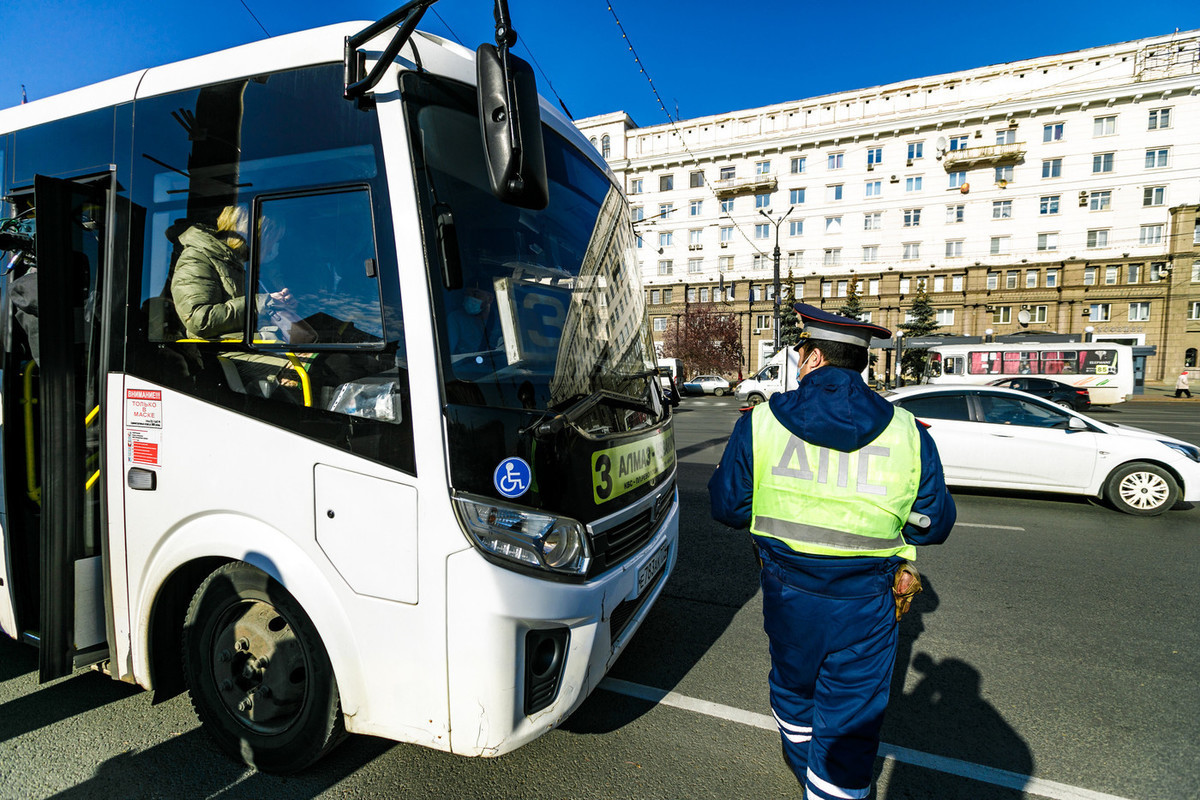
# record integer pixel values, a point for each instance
(999, 438)
(707, 384)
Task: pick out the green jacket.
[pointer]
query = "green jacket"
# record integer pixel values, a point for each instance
(209, 286)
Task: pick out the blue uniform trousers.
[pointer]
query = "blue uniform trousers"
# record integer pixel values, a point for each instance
(833, 634)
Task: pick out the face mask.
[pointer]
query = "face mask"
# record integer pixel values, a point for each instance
(472, 305)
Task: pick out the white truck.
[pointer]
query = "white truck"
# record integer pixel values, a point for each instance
(777, 375)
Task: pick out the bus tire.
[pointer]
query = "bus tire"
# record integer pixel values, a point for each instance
(754, 399)
(257, 672)
(1141, 489)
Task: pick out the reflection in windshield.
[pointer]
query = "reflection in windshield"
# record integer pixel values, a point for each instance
(550, 308)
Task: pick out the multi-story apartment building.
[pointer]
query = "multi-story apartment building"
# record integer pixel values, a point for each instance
(1066, 186)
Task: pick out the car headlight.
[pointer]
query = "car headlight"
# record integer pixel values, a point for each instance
(1189, 450)
(531, 538)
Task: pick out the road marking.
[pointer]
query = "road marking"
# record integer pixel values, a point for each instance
(951, 766)
(981, 525)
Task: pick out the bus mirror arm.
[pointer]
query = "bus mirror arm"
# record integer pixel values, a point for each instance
(407, 17)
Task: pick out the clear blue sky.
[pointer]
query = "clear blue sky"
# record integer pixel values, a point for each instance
(705, 57)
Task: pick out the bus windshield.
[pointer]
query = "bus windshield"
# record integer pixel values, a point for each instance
(544, 310)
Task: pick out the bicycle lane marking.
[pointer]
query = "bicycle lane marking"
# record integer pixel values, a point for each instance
(951, 766)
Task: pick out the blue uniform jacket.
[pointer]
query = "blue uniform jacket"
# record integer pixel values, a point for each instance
(833, 407)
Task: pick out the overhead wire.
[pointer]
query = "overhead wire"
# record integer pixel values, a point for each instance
(255, 18)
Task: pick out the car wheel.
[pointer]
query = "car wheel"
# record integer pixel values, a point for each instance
(1141, 489)
(1064, 404)
(754, 399)
(259, 677)
(719, 392)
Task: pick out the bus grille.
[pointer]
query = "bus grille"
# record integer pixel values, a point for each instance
(613, 545)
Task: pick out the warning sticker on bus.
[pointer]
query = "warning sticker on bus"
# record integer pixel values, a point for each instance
(141, 447)
(143, 408)
(622, 469)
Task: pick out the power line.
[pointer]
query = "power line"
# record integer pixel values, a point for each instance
(252, 16)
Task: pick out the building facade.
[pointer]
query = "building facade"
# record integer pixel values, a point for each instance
(1053, 194)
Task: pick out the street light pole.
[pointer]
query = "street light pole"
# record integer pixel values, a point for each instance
(776, 223)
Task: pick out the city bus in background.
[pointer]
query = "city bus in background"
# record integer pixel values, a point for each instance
(1105, 369)
(330, 394)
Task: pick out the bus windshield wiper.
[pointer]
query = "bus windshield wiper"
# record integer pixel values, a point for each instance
(576, 410)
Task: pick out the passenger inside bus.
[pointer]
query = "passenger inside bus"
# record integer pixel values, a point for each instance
(471, 326)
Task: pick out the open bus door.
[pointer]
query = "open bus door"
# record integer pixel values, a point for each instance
(72, 221)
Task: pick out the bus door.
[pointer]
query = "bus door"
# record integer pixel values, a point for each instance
(72, 220)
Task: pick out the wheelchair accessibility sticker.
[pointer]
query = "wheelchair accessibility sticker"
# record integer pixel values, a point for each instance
(512, 477)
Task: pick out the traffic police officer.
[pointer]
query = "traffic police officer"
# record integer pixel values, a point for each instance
(826, 477)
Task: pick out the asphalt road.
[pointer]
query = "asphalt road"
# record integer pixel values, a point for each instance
(1055, 653)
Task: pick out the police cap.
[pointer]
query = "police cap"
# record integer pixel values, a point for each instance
(822, 326)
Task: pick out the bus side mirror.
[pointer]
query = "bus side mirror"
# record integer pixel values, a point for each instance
(511, 125)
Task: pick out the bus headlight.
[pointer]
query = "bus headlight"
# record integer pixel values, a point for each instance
(532, 538)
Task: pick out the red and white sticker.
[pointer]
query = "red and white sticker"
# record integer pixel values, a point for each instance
(142, 447)
(143, 408)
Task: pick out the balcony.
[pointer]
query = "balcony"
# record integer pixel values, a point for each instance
(756, 184)
(988, 154)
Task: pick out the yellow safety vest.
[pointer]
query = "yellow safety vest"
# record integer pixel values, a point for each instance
(826, 502)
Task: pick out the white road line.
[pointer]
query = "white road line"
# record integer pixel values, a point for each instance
(951, 766)
(981, 525)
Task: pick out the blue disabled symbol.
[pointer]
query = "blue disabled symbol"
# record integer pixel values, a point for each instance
(512, 477)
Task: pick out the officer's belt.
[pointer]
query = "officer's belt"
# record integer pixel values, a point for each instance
(828, 537)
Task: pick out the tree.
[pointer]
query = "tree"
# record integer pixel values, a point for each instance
(789, 320)
(922, 322)
(705, 341)
(852, 307)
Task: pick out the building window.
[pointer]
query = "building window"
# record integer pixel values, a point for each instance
(958, 179)
(1103, 162)
(762, 200)
(664, 209)
(1104, 126)
(999, 245)
(696, 179)
(916, 150)
(912, 217)
(728, 173)
(606, 146)
(1158, 270)
(795, 259)
(1159, 118)
(874, 221)
(912, 184)
(1031, 278)
(1048, 205)
(833, 224)
(842, 288)
(667, 293)
(1111, 274)
(1100, 201)
(655, 297)
(796, 196)
(696, 208)
(955, 213)
(1051, 278)
(874, 188)
(993, 281)
(833, 256)
(691, 294)
(874, 155)
(638, 213)
(727, 205)
(1089, 276)
(1132, 273)
(1052, 132)
(826, 288)
(1006, 136)
(796, 227)
(726, 234)
(1097, 238)
(1052, 168)
(870, 253)
(1047, 241)
(1151, 234)
(904, 285)
(799, 164)
(1100, 312)
(756, 293)
(694, 236)
(1002, 315)
(873, 287)
(635, 186)
(958, 282)
(959, 143)
(759, 261)
(939, 283)
(833, 192)
(1194, 310)
(666, 239)
(954, 249)
(762, 168)
(1002, 209)
(1154, 195)
(725, 263)
(704, 294)
(666, 267)
(1157, 158)
(1004, 174)
(1010, 279)
(660, 324)
(666, 183)
(835, 161)
(639, 242)
(764, 322)
(912, 251)
(762, 231)
(943, 316)
(1039, 313)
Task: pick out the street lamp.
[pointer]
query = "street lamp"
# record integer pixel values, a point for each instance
(776, 223)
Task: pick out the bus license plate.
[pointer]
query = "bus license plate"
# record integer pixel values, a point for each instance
(649, 571)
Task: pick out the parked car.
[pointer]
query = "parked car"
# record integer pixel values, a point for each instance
(1058, 393)
(989, 436)
(707, 384)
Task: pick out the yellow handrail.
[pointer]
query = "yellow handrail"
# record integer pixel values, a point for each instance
(293, 360)
(31, 485)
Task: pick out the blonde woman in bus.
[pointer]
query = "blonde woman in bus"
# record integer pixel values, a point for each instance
(208, 285)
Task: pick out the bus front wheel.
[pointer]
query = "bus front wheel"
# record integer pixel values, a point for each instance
(259, 676)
